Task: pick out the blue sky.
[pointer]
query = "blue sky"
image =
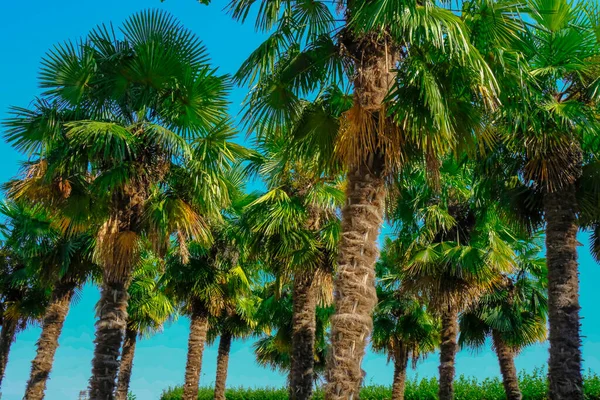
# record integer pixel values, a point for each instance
(28, 29)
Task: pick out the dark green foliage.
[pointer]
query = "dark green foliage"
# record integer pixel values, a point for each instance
(207, 393)
(533, 385)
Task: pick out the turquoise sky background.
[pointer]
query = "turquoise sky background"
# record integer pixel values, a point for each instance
(28, 28)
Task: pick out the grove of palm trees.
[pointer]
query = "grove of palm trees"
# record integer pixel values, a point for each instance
(408, 178)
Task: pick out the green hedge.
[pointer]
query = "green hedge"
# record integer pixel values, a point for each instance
(534, 387)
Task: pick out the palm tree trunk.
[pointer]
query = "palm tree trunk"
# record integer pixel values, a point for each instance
(110, 327)
(304, 325)
(564, 370)
(222, 365)
(7, 337)
(362, 215)
(448, 350)
(400, 366)
(126, 363)
(52, 325)
(197, 338)
(506, 358)
(355, 294)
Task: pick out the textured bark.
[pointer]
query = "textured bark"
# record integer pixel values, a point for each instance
(303, 336)
(355, 294)
(54, 319)
(110, 327)
(7, 337)
(197, 338)
(400, 366)
(362, 216)
(506, 358)
(222, 365)
(564, 368)
(448, 350)
(126, 363)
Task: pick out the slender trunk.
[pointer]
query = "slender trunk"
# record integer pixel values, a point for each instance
(506, 358)
(193, 367)
(362, 215)
(222, 365)
(564, 368)
(448, 350)
(126, 363)
(52, 325)
(400, 365)
(304, 323)
(7, 337)
(110, 327)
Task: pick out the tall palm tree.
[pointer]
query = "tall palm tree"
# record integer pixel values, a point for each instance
(62, 263)
(452, 247)
(514, 315)
(275, 346)
(148, 309)
(144, 133)
(238, 321)
(237, 318)
(294, 229)
(202, 278)
(549, 123)
(24, 300)
(379, 48)
(402, 327)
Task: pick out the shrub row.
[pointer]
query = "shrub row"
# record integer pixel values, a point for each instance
(533, 385)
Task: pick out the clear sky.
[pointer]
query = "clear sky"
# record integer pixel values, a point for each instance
(28, 28)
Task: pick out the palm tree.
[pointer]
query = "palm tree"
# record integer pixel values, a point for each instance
(294, 229)
(148, 309)
(375, 44)
(452, 247)
(60, 262)
(238, 321)
(195, 284)
(237, 317)
(548, 123)
(24, 300)
(514, 315)
(202, 277)
(275, 315)
(402, 327)
(9, 325)
(144, 136)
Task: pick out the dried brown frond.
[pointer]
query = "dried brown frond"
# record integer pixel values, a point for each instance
(216, 302)
(116, 251)
(184, 251)
(324, 282)
(552, 162)
(433, 164)
(190, 223)
(64, 188)
(33, 185)
(364, 133)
